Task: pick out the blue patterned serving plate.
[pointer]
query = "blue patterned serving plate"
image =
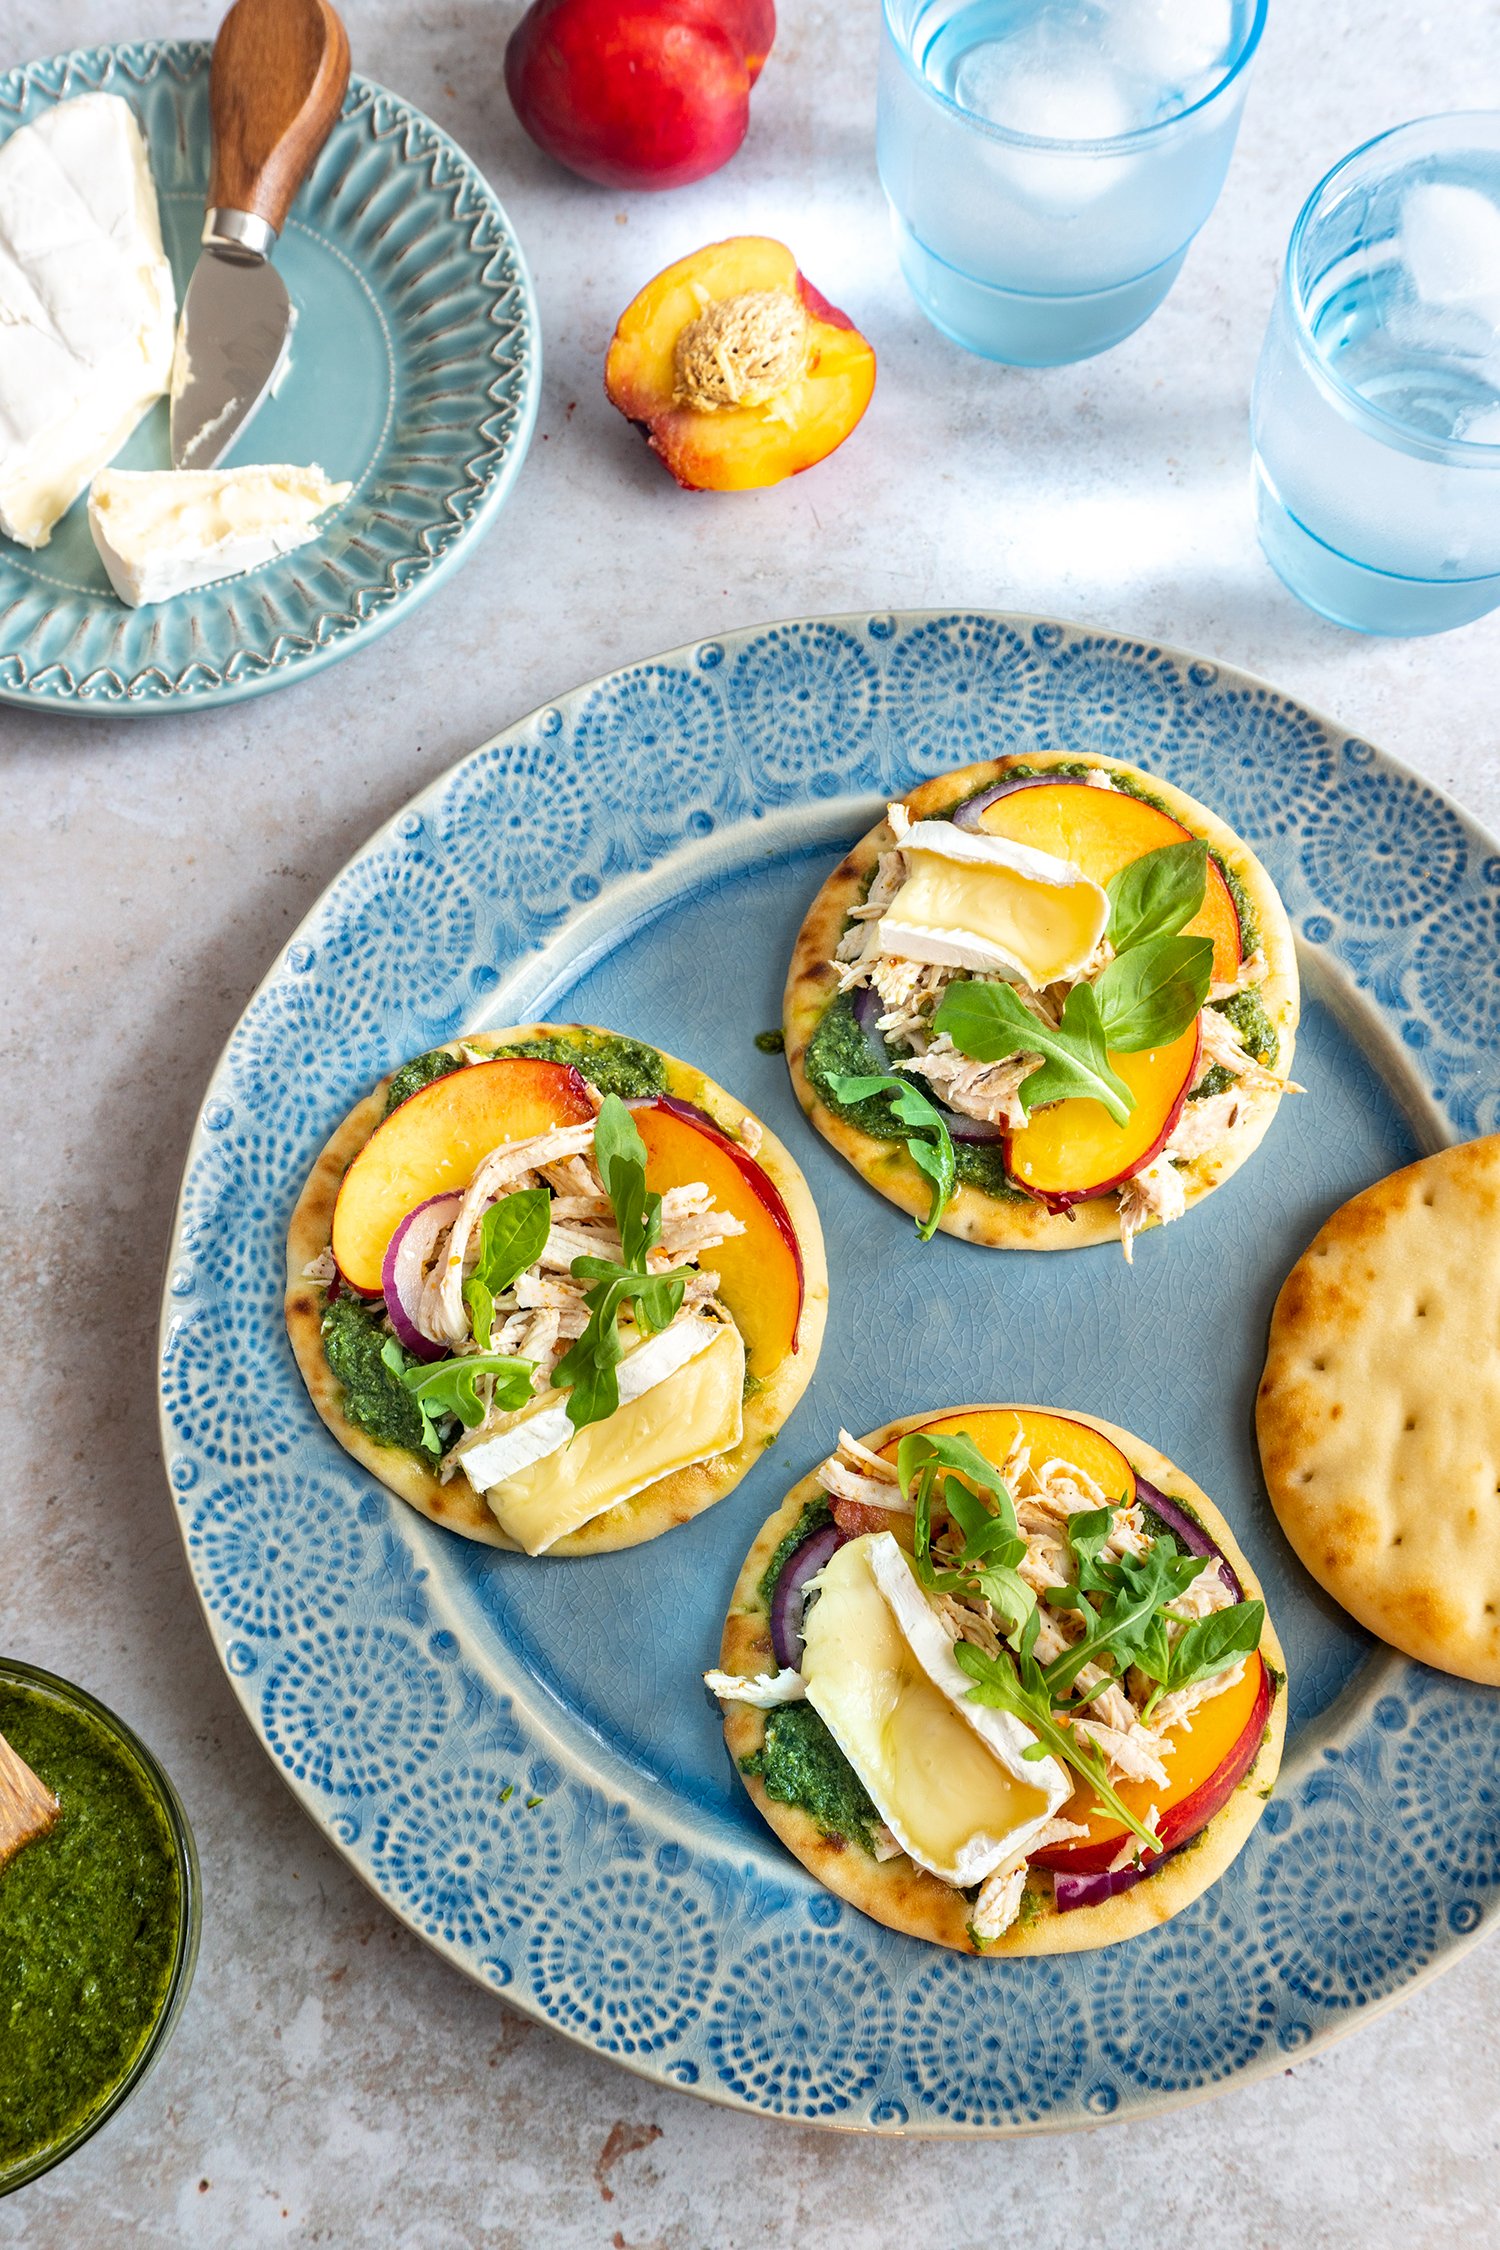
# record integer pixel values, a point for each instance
(551, 1807)
(415, 372)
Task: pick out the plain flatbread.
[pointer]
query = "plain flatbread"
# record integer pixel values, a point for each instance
(905, 1897)
(1379, 1409)
(1013, 1224)
(456, 1505)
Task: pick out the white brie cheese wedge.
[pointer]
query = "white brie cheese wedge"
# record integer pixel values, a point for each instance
(981, 902)
(681, 1401)
(947, 1776)
(161, 532)
(87, 307)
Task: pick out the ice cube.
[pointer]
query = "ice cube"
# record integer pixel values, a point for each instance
(1182, 44)
(1033, 87)
(1450, 245)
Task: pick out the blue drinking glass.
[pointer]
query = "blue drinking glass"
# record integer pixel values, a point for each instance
(1048, 162)
(1376, 417)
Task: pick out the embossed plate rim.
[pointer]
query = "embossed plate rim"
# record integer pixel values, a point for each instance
(797, 1912)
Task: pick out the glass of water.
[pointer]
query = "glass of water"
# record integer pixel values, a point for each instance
(1377, 402)
(1048, 162)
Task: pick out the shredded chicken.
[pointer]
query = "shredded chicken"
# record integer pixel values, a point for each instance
(1132, 1753)
(998, 1903)
(989, 1092)
(1209, 1591)
(1222, 1045)
(511, 1166)
(321, 1268)
(1203, 1124)
(855, 1474)
(1176, 1710)
(1157, 1191)
(752, 1133)
(1251, 971)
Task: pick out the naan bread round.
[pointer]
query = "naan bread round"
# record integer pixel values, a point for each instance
(1379, 1409)
(906, 1897)
(1021, 1223)
(456, 1505)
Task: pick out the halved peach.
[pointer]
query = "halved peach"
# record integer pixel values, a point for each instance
(1103, 830)
(1051, 1437)
(1072, 1151)
(760, 1271)
(1206, 1758)
(738, 371)
(436, 1140)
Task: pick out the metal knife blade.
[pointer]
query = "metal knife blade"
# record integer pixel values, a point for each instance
(232, 343)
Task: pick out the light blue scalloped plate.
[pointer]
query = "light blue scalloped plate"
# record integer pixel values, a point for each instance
(415, 372)
(516, 1754)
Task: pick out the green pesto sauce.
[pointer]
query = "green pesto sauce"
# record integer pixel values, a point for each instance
(89, 1921)
(799, 1763)
(838, 1048)
(814, 1516)
(419, 1072)
(627, 1067)
(374, 1400)
(771, 1042)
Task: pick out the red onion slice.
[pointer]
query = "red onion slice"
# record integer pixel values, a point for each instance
(790, 1597)
(406, 1255)
(968, 816)
(1193, 1536)
(1070, 1891)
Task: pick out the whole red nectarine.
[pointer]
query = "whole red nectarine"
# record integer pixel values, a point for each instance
(638, 93)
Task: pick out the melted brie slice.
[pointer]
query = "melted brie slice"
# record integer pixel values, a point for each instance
(681, 1401)
(947, 1776)
(162, 532)
(982, 902)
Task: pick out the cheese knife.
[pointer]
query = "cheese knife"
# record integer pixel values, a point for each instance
(280, 68)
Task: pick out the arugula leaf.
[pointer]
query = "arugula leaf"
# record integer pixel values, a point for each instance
(929, 1143)
(1209, 1645)
(992, 1543)
(998, 1684)
(620, 1154)
(1157, 894)
(447, 1386)
(1136, 1588)
(989, 1022)
(1148, 996)
(512, 1236)
(587, 1369)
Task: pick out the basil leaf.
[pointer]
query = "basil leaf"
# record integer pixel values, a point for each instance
(929, 1143)
(512, 1236)
(988, 1022)
(448, 1385)
(1157, 894)
(1149, 996)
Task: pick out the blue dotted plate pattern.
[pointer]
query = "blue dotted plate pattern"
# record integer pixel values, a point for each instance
(549, 1806)
(414, 375)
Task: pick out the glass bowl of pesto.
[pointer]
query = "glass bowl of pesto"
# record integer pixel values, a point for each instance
(99, 1923)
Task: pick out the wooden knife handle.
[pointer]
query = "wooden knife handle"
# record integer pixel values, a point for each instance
(279, 72)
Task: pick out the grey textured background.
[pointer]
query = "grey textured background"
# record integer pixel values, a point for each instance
(332, 2081)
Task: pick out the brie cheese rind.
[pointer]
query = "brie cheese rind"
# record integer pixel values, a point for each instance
(980, 902)
(947, 1776)
(681, 1401)
(163, 532)
(87, 306)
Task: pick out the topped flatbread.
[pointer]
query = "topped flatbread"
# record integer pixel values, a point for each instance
(555, 1289)
(1379, 1409)
(889, 1674)
(1085, 982)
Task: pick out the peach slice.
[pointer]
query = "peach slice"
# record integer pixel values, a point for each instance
(1101, 831)
(436, 1140)
(1207, 1758)
(737, 369)
(1073, 1150)
(760, 1271)
(1051, 1437)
